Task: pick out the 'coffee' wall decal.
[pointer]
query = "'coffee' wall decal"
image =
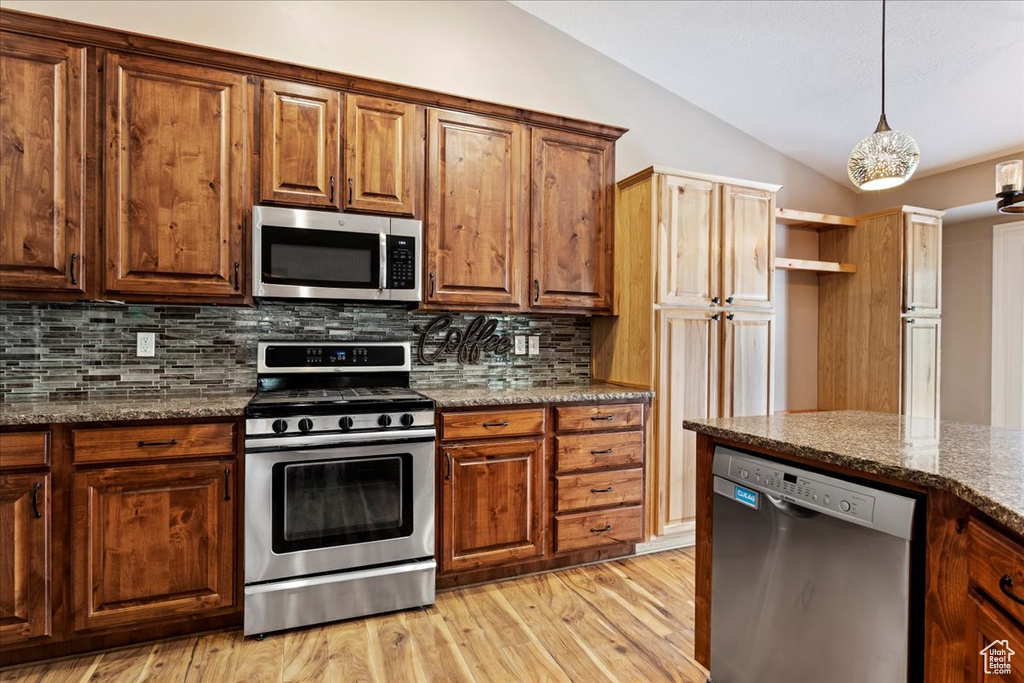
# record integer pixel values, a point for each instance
(478, 338)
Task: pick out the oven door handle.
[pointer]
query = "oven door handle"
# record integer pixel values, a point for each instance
(262, 443)
(383, 261)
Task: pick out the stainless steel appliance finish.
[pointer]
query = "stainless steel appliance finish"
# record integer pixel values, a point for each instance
(811, 577)
(339, 485)
(335, 255)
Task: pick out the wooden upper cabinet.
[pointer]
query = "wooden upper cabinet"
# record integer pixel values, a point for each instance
(42, 164)
(688, 248)
(175, 178)
(24, 557)
(492, 503)
(152, 542)
(477, 216)
(922, 264)
(921, 348)
(571, 239)
(748, 246)
(300, 153)
(383, 155)
(747, 375)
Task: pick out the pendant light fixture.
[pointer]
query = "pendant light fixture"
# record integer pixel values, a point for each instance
(887, 157)
(1010, 186)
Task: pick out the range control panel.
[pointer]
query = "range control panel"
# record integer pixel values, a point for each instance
(802, 489)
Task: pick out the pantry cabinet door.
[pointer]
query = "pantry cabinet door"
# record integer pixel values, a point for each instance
(922, 264)
(689, 270)
(747, 362)
(748, 225)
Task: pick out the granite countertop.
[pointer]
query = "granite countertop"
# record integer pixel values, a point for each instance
(468, 397)
(111, 410)
(982, 465)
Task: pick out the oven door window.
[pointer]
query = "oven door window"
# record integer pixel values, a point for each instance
(321, 504)
(320, 258)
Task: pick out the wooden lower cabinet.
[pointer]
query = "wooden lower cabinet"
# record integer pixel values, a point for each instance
(152, 542)
(25, 605)
(991, 636)
(492, 503)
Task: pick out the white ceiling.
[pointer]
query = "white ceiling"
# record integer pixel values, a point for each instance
(803, 77)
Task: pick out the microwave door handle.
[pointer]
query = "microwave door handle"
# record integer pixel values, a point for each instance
(383, 261)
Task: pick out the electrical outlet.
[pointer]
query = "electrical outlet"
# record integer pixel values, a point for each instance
(520, 345)
(145, 344)
(534, 346)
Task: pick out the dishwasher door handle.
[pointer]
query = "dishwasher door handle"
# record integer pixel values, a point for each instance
(791, 509)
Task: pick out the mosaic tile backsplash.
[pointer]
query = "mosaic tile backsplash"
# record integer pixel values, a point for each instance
(78, 351)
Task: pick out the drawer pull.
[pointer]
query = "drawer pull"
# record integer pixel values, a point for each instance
(607, 527)
(1005, 585)
(38, 514)
(602, 418)
(604, 452)
(503, 423)
(144, 444)
(607, 490)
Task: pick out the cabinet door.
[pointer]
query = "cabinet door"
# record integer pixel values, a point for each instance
(476, 210)
(571, 239)
(24, 557)
(383, 155)
(688, 362)
(688, 250)
(921, 367)
(175, 176)
(922, 264)
(300, 154)
(748, 226)
(152, 542)
(748, 368)
(42, 168)
(991, 638)
(492, 503)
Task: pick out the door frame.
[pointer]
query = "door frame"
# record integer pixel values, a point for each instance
(1007, 317)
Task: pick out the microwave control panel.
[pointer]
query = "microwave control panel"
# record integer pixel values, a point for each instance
(401, 262)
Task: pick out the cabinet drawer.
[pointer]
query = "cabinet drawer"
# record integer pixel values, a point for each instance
(598, 489)
(991, 557)
(590, 451)
(602, 527)
(484, 423)
(154, 442)
(588, 418)
(24, 449)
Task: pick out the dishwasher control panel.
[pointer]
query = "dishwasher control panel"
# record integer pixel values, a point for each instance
(801, 487)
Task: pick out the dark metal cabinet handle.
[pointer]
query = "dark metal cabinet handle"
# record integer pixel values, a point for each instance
(607, 527)
(144, 444)
(607, 490)
(503, 423)
(728, 299)
(432, 281)
(716, 316)
(332, 190)
(911, 308)
(730, 316)
(238, 284)
(74, 260)
(349, 190)
(1005, 585)
(536, 285)
(911, 321)
(602, 418)
(715, 300)
(448, 465)
(604, 452)
(227, 484)
(35, 501)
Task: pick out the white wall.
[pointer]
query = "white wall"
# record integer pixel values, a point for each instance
(495, 51)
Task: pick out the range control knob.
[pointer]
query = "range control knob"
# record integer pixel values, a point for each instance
(407, 420)
(305, 424)
(279, 426)
(345, 423)
(384, 420)
(844, 505)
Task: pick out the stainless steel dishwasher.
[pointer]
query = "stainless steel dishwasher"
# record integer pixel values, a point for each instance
(810, 577)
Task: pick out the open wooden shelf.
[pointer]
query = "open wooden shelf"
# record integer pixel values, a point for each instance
(814, 266)
(810, 219)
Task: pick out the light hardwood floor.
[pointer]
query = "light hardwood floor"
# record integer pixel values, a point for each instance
(628, 620)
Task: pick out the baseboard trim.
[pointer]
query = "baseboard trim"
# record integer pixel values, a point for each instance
(685, 538)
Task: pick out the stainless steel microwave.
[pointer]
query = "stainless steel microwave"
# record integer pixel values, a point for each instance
(319, 255)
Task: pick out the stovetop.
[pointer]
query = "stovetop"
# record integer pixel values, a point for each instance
(339, 396)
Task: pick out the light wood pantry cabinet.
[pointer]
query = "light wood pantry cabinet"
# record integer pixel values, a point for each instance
(175, 178)
(477, 215)
(383, 155)
(695, 316)
(300, 151)
(42, 174)
(879, 329)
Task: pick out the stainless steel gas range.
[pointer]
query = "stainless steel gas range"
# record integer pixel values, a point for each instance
(339, 486)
